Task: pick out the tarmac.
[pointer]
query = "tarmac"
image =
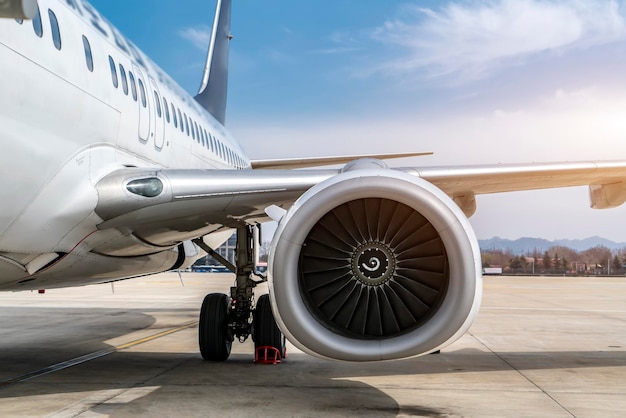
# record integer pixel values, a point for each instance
(540, 347)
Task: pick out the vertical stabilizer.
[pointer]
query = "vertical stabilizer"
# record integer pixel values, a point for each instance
(213, 90)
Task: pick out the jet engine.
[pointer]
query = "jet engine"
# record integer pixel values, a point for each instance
(374, 264)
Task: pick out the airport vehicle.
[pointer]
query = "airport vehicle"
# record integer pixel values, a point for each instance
(110, 170)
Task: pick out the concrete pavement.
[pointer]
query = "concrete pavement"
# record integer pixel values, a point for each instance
(540, 347)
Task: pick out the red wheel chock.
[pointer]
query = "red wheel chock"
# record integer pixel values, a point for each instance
(267, 355)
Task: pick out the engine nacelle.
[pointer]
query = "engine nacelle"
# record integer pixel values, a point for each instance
(374, 264)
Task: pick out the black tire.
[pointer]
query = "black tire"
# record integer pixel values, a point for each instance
(266, 333)
(212, 329)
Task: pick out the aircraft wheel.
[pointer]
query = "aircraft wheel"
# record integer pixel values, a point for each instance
(213, 338)
(266, 333)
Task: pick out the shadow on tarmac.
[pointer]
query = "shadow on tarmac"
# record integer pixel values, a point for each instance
(182, 384)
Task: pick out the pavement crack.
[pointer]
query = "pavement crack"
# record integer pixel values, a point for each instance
(528, 379)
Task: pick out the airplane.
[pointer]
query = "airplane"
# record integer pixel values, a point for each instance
(110, 170)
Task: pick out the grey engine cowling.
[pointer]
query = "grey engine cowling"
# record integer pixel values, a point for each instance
(374, 264)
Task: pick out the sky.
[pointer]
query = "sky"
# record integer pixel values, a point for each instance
(475, 82)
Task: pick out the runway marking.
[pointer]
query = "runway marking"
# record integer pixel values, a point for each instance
(155, 336)
(91, 356)
(506, 308)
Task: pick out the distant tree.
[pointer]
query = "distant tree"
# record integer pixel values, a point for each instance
(547, 261)
(616, 265)
(523, 262)
(564, 252)
(556, 262)
(515, 263)
(496, 257)
(599, 255)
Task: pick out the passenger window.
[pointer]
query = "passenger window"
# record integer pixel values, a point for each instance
(113, 72)
(206, 137)
(157, 102)
(54, 27)
(37, 26)
(142, 92)
(180, 118)
(88, 55)
(167, 110)
(195, 129)
(212, 140)
(133, 86)
(186, 124)
(124, 81)
(174, 115)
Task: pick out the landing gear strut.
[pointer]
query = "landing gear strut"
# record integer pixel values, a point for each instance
(223, 318)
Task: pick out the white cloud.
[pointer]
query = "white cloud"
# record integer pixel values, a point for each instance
(199, 37)
(337, 50)
(564, 125)
(472, 40)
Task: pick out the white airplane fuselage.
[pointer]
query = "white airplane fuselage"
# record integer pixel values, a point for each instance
(110, 170)
(76, 107)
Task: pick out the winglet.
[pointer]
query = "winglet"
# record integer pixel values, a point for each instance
(213, 90)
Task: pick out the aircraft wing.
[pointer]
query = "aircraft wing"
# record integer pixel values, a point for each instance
(606, 180)
(290, 163)
(195, 202)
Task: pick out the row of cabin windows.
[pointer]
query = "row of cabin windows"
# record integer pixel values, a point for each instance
(54, 27)
(190, 127)
(137, 90)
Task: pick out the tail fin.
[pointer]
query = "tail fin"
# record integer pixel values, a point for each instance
(213, 90)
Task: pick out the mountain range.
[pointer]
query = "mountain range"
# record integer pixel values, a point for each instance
(525, 244)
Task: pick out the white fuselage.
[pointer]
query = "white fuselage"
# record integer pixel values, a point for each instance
(74, 108)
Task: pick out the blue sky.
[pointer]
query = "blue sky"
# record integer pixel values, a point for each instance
(476, 82)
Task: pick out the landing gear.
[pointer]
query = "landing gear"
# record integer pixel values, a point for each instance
(214, 336)
(266, 332)
(222, 319)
